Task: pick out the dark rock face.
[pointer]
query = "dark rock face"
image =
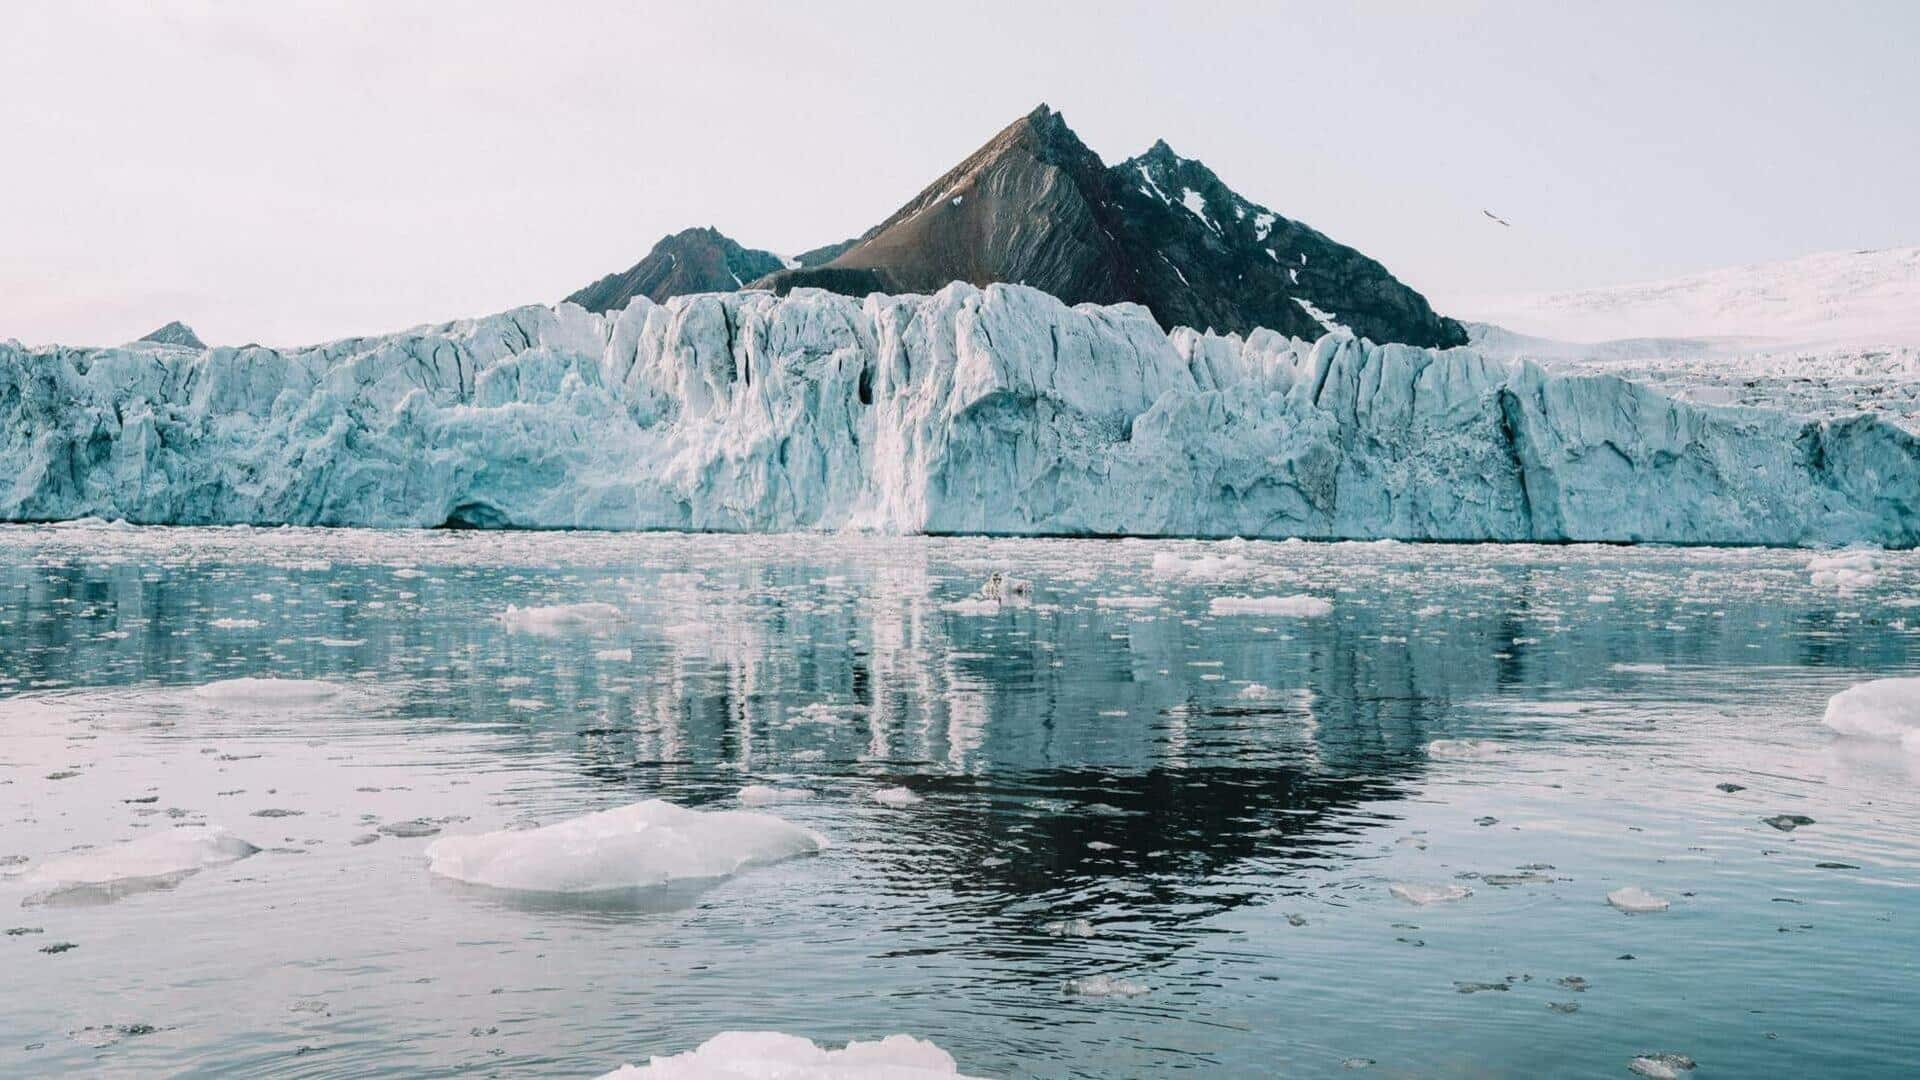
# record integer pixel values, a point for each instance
(1035, 206)
(176, 333)
(693, 261)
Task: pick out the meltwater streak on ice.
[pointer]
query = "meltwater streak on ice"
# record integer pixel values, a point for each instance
(1143, 837)
(995, 411)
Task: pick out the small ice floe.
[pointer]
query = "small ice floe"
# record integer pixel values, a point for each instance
(1635, 900)
(1424, 893)
(1074, 928)
(1637, 669)
(895, 797)
(1299, 606)
(1006, 588)
(761, 1055)
(1133, 602)
(268, 692)
(1204, 568)
(632, 847)
(1103, 986)
(1787, 822)
(158, 861)
(1856, 568)
(235, 624)
(555, 619)
(1429, 611)
(1465, 749)
(1258, 692)
(763, 795)
(410, 830)
(1525, 877)
(618, 656)
(1661, 1066)
(1887, 710)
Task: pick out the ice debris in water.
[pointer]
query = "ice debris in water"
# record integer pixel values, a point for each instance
(1661, 1066)
(1205, 568)
(1855, 568)
(151, 861)
(554, 619)
(1884, 709)
(1078, 928)
(895, 797)
(771, 1055)
(1635, 900)
(763, 795)
(1423, 893)
(273, 692)
(1298, 606)
(1465, 748)
(631, 847)
(1103, 986)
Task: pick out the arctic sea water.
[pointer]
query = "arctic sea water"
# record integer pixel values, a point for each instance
(1370, 835)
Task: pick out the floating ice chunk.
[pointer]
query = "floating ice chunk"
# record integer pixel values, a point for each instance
(1206, 567)
(151, 862)
(895, 797)
(1662, 1066)
(1077, 928)
(269, 692)
(614, 655)
(1103, 986)
(1424, 893)
(1258, 692)
(763, 795)
(1126, 601)
(1637, 669)
(632, 847)
(1297, 606)
(1429, 611)
(1006, 588)
(555, 619)
(1465, 748)
(770, 1055)
(235, 624)
(1635, 900)
(1883, 709)
(1855, 568)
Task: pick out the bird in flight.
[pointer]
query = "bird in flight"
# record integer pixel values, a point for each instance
(1498, 218)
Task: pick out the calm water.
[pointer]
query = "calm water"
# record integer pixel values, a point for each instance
(1232, 848)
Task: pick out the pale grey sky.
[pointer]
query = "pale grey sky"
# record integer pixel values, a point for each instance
(288, 173)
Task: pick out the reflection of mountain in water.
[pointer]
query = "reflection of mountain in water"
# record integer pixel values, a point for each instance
(1043, 733)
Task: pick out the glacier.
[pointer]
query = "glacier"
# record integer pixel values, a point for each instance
(984, 411)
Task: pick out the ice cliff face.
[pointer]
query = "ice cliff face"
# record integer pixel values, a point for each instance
(995, 411)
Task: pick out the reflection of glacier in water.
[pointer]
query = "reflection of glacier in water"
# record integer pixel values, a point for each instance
(1207, 806)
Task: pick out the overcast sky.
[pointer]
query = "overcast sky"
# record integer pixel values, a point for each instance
(291, 173)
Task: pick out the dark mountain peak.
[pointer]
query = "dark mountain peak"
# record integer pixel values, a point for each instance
(700, 259)
(176, 333)
(1034, 205)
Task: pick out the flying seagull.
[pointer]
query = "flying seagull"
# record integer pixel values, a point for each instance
(1497, 218)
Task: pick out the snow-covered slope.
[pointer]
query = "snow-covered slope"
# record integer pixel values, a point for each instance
(1839, 299)
(983, 411)
(1828, 335)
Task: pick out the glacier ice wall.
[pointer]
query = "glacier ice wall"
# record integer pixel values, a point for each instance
(996, 410)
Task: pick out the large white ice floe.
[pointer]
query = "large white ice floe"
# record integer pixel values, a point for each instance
(997, 410)
(154, 861)
(1884, 709)
(640, 846)
(555, 619)
(770, 1055)
(268, 692)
